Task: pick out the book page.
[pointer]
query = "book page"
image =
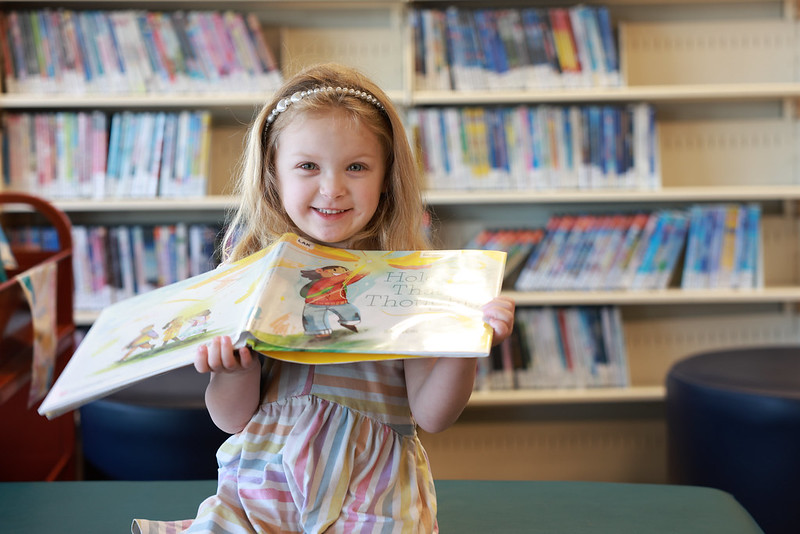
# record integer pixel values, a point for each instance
(158, 331)
(348, 305)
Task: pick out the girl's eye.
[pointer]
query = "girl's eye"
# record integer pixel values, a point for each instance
(308, 166)
(356, 167)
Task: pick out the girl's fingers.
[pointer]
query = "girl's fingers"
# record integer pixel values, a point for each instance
(228, 358)
(499, 314)
(246, 358)
(500, 303)
(499, 309)
(201, 360)
(218, 356)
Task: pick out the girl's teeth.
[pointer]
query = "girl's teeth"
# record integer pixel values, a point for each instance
(329, 212)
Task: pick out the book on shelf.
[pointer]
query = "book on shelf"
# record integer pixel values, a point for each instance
(467, 49)
(655, 257)
(707, 246)
(135, 51)
(544, 71)
(145, 154)
(558, 348)
(432, 71)
(538, 147)
(282, 301)
(566, 47)
(723, 247)
(622, 251)
(518, 244)
(144, 258)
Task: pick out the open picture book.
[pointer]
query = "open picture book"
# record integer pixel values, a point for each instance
(294, 301)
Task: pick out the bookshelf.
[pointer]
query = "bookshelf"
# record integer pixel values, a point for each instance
(723, 76)
(665, 61)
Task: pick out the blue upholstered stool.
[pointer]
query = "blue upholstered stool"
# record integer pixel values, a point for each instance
(733, 420)
(158, 429)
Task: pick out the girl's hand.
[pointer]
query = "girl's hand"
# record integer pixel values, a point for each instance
(499, 314)
(218, 356)
(233, 391)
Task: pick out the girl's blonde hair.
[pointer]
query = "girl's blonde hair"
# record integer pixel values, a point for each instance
(260, 219)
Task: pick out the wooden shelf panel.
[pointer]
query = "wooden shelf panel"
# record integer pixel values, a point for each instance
(599, 196)
(144, 101)
(209, 203)
(654, 93)
(249, 101)
(455, 198)
(783, 294)
(517, 397)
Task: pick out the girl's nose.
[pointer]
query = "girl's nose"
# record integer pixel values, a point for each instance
(332, 185)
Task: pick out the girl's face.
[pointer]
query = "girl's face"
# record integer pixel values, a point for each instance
(330, 173)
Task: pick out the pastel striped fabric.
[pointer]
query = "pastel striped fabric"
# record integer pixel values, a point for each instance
(332, 449)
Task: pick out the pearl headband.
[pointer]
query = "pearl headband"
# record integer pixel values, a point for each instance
(284, 103)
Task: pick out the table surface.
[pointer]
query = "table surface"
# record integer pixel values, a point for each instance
(105, 507)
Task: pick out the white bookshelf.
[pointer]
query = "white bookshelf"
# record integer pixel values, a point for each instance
(744, 148)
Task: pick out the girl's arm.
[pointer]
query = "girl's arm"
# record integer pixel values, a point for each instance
(439, 388)
(233, 393)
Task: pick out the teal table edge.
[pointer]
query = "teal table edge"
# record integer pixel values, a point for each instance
(499, 507)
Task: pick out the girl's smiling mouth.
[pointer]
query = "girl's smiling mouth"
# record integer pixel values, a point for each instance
(325, 211)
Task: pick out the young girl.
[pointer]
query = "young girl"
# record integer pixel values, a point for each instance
(328, 448)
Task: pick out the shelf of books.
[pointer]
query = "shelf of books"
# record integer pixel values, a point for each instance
(523, 117)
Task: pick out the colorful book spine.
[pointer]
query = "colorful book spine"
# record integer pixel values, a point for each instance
(535, 147)
(563, 348)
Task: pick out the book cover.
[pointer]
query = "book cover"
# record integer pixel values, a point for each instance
(750, 268)
(73, 53)
(580, 38)
(609, 46)
(513, 35)
(294, 301)
(668, 255)
(643, 248)
(728, 248)
(566, 49)
(265, 54)
(543, 73)
(716, 237)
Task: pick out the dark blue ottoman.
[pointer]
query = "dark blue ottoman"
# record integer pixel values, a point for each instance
(158, 429)
(733, 421)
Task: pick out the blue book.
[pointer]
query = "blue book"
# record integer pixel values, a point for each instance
(655, 241)
(672, 244)
(447, 152)
(609, 45)
(596, 146)
(477, 60)
(456, 48)
(689, 277)
(609, 153)
(494, 53)
(750, 270)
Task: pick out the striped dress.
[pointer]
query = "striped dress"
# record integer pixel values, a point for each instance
(332, 448)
